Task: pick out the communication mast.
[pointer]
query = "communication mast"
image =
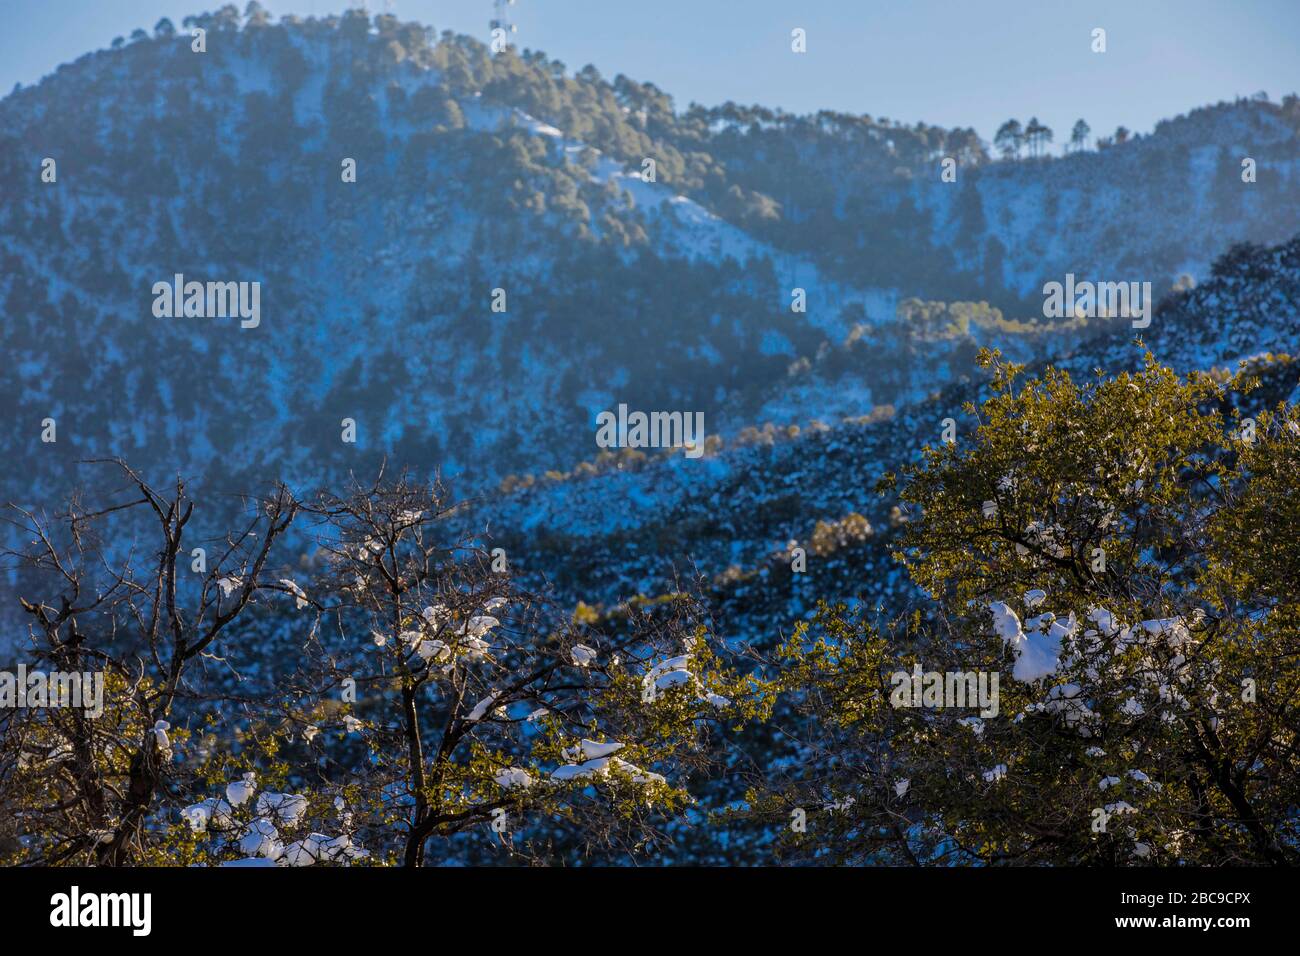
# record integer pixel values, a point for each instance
(501, 19)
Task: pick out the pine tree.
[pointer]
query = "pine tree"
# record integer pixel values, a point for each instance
(1010, 139)
(1079, 135)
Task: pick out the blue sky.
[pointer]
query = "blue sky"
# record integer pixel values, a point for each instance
(947, 62)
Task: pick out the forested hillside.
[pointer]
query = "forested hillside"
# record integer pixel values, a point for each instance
(477, 172)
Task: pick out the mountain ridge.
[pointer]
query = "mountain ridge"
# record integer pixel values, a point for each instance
(375, 288)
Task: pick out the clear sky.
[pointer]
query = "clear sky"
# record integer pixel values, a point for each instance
(947, 62)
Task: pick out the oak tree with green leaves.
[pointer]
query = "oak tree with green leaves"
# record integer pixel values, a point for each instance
(1121, 553)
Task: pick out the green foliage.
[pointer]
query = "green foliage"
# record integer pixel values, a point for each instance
(1163, 726)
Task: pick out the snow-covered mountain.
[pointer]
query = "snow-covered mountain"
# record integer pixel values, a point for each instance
(475, 173)
(731, 514)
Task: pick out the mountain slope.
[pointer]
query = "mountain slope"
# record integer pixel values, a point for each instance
(476, 173)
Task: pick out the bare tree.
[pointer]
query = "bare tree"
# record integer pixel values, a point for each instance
(111, 610)
(407, 695)
(470, 690)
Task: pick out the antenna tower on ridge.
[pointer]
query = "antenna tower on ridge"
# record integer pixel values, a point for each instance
(501, 19)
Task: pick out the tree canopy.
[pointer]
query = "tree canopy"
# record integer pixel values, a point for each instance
(1119, 552)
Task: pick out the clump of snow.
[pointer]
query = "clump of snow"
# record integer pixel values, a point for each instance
(239, 791)
(1067, 701)
(975, 724)
(597, 760)
(582, 655)
(341, 849)
(299, 595)
(673, 678)
(261, 839)
(212, 812)
(286, 808)
(513, 777)
(483, 706)
(160, 728)
(675, 672)
(479, 625)
(303, 852)
(591, 750)
(1037, 644)
(1142, 778)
